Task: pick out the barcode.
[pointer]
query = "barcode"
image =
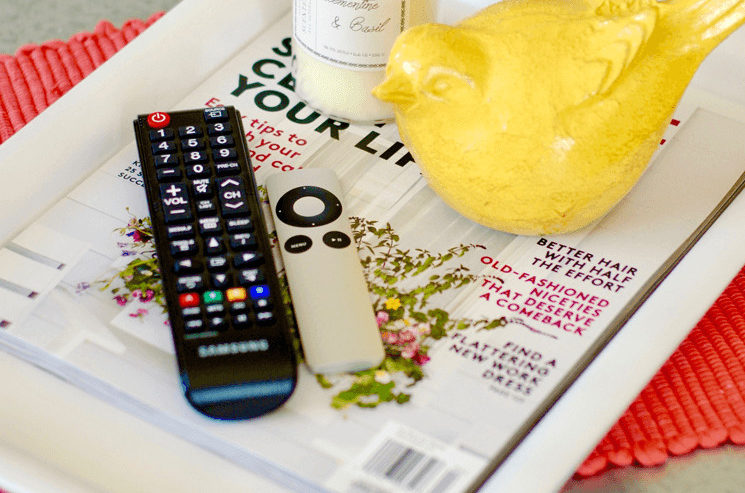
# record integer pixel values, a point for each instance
(410, 468)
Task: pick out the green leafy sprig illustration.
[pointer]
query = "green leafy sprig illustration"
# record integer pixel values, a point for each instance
(402, 283)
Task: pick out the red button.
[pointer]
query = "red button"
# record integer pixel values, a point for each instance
(158, 119)
(188, 299)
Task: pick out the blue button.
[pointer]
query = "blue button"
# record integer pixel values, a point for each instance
(259, 292)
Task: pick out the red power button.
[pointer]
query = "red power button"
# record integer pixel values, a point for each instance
(158, 119)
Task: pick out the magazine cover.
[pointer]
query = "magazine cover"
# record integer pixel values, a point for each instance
(482, 330)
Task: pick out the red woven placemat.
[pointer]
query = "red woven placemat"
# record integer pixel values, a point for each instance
(697, 399)
(39, 74)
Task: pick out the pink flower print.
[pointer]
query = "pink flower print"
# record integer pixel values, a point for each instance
(136, 293)
(389, 337)
(382, 318)
(120, 300)
(410, 351)
(407, 336)
(147, 296)
(420, 358)
(141, 312)
(424, 329)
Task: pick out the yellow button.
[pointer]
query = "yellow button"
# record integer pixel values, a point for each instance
(236, 294)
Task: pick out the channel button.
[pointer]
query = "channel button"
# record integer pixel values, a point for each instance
(231, 192)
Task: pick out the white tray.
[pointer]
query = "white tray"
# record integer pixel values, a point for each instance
(93, 121)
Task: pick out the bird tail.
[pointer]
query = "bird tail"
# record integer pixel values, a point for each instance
(707, 21)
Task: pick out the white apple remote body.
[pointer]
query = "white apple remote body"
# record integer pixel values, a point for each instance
(332, 305)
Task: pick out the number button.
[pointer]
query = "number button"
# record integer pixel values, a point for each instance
(190, 131)
(162, 134)
(192, 145)
(222, 141)
(224, 154)
(195, 157)
(219, 128)
(197, 171)
(165, 147)
(166, 160)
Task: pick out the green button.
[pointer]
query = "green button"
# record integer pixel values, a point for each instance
(212, 297)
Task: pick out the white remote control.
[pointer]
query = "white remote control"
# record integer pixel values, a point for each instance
(332, 306)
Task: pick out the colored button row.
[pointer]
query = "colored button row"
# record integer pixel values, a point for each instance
(232, 295)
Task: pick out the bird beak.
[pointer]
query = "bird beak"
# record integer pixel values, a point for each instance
(396, 90)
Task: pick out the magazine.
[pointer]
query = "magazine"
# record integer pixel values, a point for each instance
(483, 330)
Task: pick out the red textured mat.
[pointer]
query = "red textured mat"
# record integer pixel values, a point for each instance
(697, 399)
(39, 74)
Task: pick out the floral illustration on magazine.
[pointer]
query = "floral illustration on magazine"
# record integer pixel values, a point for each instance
(401, 282)
(137, 284)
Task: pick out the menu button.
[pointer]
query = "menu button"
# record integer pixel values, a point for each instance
(298, 244)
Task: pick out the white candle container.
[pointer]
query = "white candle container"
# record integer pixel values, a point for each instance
(341, 49)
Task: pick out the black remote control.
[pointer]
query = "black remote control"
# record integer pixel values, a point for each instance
(229, 323)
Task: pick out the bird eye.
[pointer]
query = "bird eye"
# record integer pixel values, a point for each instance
(441, 82)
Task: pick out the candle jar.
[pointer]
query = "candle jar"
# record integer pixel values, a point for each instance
(341, 49)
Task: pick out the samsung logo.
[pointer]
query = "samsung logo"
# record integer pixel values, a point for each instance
(240, 347)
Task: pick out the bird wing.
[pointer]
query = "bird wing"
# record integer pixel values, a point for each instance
(617, 40)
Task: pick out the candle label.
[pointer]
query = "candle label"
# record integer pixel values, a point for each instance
(352, 34)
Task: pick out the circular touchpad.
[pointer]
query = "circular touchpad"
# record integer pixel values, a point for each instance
(308, 206)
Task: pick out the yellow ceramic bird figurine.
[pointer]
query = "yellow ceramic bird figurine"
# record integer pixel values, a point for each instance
(538, 116)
